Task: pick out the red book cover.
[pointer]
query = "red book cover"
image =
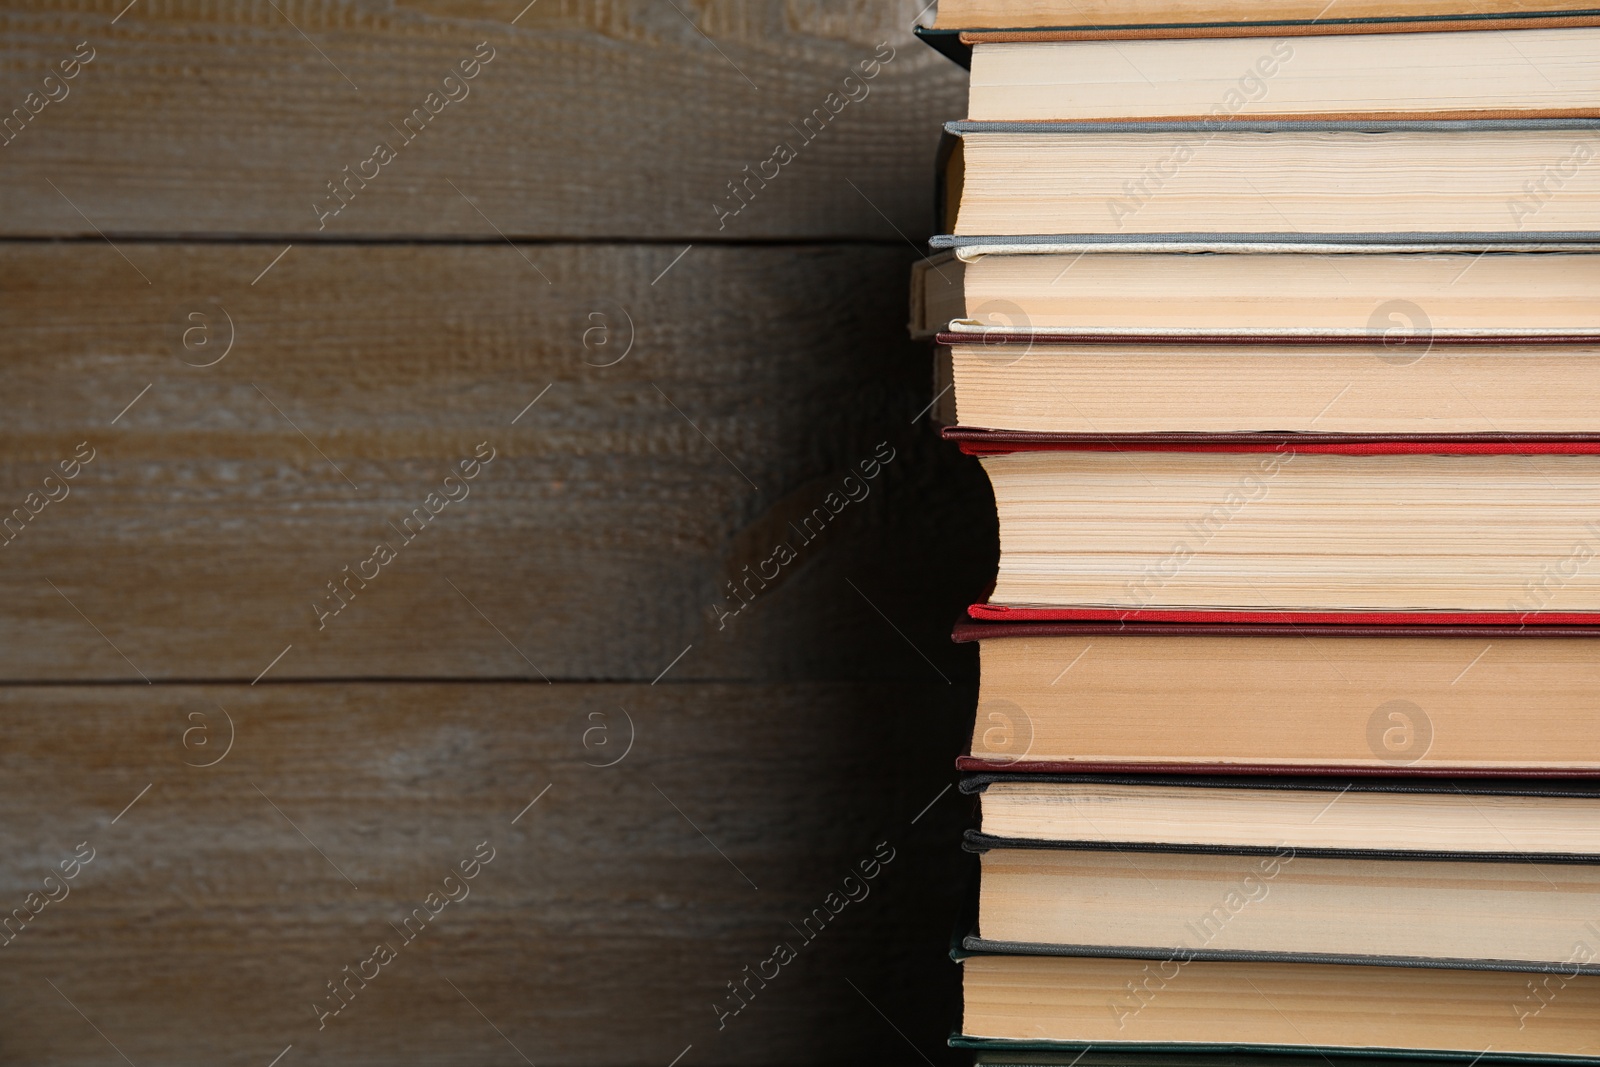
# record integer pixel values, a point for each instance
(982, 442)
(975, 441)
(1386, 619)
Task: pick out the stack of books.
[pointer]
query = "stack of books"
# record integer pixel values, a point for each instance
(1276, 329)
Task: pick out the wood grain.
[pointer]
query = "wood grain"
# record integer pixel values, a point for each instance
(659, 416)
(624, 119)
(602, 931)
(597, 544)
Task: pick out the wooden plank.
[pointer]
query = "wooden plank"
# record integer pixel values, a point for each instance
(200, 540)
(221, 899)
(618, 119)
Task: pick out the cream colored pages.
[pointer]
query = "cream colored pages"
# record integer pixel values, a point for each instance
(1343, 293)
(1303, 183)
(1064, 998)
(1301, 818)
(1357, 388)
(1511, 71)
(1286, 531)
(1392, 702)
(1286, 902)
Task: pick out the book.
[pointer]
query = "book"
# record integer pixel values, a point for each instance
(1386, 296)
(1477, 182)
(1385, 16)
(1536, 72)
(1120, 527)
(1508, 915)
(1279, 699)
(1460, 818)
(1404, 383)
(936, 295)
(1267, 1006)
(1274, 331)
(991, 1053)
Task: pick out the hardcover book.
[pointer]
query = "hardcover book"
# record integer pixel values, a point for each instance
(1397, 384)
(1464, 183)
(1365, 817)
(1482, 529)
(1521, 73)
(1382, 298)
(1288, 699)
(1178, 1004)
(1284, 906)
(1274, 330)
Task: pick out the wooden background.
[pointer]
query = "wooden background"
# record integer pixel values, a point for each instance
(266, 796)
